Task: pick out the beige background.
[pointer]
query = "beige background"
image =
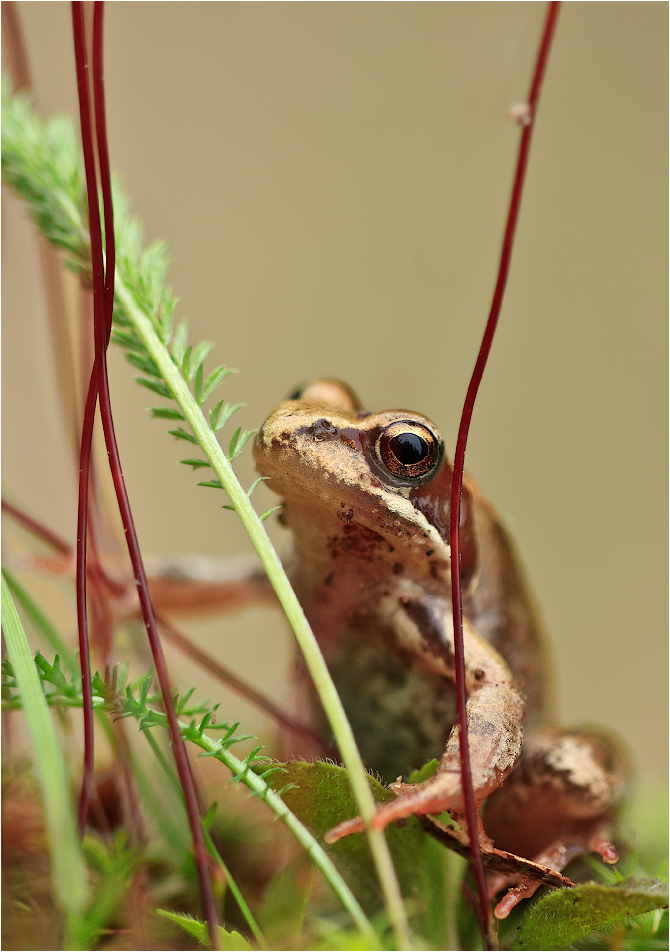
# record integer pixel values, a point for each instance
(332, 180)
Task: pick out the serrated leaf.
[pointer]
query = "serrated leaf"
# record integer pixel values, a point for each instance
(568, 915)
(215, 378)
(179, 344)
(166, 413)
(195, 463)
(156, 385)
(240, 443)
(181, 434)
(212, 484)
(228, 941)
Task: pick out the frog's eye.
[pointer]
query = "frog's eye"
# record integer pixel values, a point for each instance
(409, 451)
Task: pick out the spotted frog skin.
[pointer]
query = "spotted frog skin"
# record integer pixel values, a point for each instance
(367, 498)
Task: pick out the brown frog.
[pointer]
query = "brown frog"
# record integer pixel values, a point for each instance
(367, 498)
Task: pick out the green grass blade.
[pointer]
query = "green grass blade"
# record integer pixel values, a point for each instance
(68, 867)
(39, 619)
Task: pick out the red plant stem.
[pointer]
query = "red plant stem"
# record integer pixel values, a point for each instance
(102, 306)
(241, 687)
(37, 528)
(89, 410)
(174, 635)
(459, 458)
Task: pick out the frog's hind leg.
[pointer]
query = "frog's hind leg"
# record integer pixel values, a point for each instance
(561, 801)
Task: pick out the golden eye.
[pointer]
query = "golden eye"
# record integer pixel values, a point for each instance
(409, 451)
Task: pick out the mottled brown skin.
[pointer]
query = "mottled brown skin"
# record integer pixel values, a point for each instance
(371, 567)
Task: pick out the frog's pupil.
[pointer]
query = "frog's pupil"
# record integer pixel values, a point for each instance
(408, 448)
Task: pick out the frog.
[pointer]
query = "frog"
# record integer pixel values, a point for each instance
(366, 497)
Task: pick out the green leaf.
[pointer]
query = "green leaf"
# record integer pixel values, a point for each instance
(186, 364)
(143, 362)
(50, 764)
(284, 906)
(215, 378)
(568, 915)
(267, 514)
(212, 484)
(181, 434)
(127, 339)
(166, 413)
(199, 355)
(195, 463)
(424, 773)
(254, 484)
(222, 412)
(228, 941)
(37, 616)
(322, 798)
(179, 344)
(156, 385)
(238, 442)
(197, 387)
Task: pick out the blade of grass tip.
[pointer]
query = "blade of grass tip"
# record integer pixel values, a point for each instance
(68, 866)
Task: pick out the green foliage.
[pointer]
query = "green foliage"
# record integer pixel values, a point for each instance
(136, 700)
(320, 796)
(42, 164)
(26, 685)
(228, 941)
(567, 915)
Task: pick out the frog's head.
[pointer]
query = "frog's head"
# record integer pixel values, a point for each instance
(331, 461)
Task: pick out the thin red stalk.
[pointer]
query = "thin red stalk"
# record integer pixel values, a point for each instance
(241, 687)
(37, 528)
(459, 458)
(89, 409)
(103, 304)
(16, 57)
(82, 614)
(176, 637)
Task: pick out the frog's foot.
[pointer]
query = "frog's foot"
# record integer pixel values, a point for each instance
(441, 792)
(554, 858)
(521, 877)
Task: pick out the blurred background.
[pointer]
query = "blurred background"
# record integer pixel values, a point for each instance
(332, 180)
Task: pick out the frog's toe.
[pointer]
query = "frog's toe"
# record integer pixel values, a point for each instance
(524, 890)
(355, 825)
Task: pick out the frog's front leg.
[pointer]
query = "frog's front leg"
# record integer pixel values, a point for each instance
(495, 711)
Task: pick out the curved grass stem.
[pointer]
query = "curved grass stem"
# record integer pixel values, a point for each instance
(289, 602)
